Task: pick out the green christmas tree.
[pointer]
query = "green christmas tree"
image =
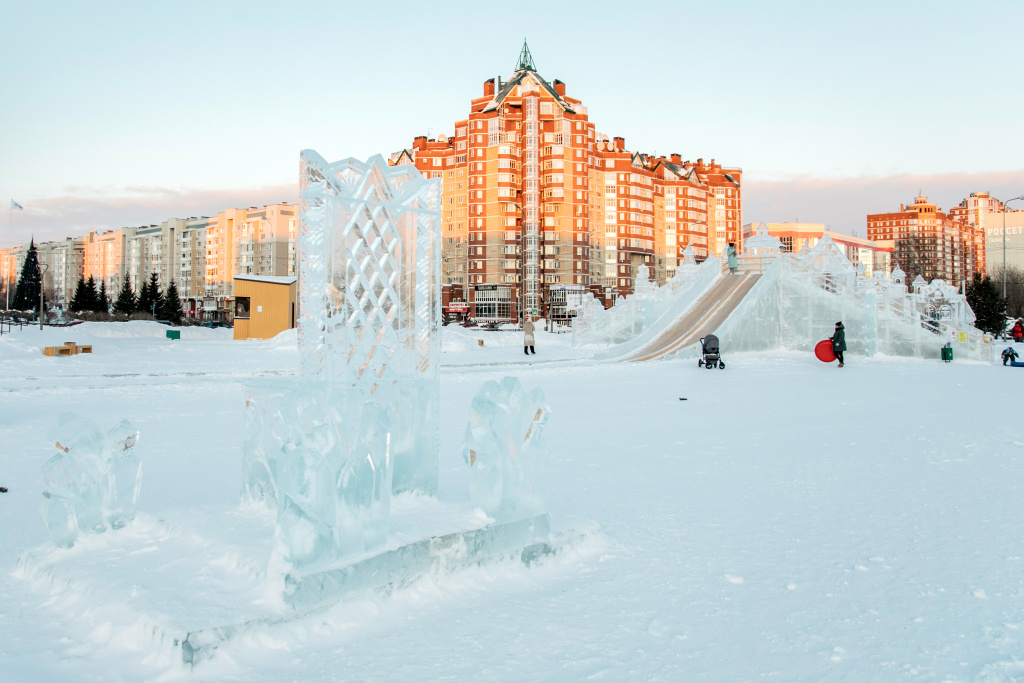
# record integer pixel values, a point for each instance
(78, 301)
(126, 301)
(91, 295)
(26, 294)
(102, 300)
(170, 305)
(149, 295)
(987, 304)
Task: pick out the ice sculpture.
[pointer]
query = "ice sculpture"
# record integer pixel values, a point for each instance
(798, 299)
(362, 420)
(93, 482)
(504, 448)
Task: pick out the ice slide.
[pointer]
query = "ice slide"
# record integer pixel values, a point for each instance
(706, 314)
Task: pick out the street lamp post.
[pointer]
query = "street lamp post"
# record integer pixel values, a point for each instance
(1005, 205)
(42, 278)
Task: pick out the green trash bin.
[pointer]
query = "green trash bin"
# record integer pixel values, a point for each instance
(947, 353)
(174, 334)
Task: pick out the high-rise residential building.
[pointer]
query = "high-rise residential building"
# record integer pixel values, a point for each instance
(253, 241)
(62, 265)
(929, 242)
(103, 258)
(978, 211)
(190, 263)
(1004, 242)
(535, 203)
(150, 249)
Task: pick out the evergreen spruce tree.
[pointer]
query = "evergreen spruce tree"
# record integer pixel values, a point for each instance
(102, 300)
(144, 302)
(150, 295)
(126, 301)
(987, 304)
(78, 301)
(170, 305)
(91, 295)
(26, 294)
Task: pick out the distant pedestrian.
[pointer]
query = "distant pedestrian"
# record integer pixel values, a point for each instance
(528, 336)
(731, 255)
(839, 342)
(1009, 355)
(1017, 331)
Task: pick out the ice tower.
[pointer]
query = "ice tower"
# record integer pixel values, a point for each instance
(362, 420)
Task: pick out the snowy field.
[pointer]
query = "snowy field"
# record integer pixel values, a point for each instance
(788, 521)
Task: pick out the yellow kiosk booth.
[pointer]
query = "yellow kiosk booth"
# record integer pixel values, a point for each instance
(264, 305)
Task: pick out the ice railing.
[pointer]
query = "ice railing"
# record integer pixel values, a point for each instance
(798, 304)
(646, 309)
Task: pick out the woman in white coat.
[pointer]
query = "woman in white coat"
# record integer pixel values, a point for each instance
(528, 336)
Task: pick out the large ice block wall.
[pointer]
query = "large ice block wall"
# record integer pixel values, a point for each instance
(94, 480)
(362, 420)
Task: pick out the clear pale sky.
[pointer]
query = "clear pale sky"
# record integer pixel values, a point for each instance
(118, 113)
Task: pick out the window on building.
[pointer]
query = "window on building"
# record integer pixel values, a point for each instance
(242, 307)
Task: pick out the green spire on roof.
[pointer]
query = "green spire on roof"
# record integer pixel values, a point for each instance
(525, 59)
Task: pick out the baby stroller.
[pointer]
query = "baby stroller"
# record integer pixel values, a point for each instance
(709, 353)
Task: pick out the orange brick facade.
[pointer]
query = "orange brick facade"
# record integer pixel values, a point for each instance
(929, 242)
(536, 203)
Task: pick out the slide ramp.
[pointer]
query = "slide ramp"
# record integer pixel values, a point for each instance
(703, 318)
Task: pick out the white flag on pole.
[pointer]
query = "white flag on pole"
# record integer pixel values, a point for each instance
(16, 205)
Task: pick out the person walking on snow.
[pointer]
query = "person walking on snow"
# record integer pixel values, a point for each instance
(528, 336)
(730, 254)
(1017, 332)
(839, 342)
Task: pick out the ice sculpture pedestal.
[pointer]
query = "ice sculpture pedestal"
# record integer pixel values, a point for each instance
(428, 538)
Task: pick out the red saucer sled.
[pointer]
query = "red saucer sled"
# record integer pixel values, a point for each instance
(823, 350)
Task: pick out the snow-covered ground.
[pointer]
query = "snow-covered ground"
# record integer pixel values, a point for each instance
(788, 521)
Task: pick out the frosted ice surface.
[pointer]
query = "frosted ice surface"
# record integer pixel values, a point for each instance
(93, 482)
(362, 420)
(504, 448)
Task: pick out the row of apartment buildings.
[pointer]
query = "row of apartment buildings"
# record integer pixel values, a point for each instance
(535, 202)
(935, 244)
(200, 254)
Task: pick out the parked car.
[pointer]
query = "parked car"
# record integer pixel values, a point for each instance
(216, 324)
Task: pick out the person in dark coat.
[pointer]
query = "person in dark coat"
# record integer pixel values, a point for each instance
(1009, 355)
(839, 342)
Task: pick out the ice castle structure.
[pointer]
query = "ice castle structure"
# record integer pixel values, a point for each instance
(504, 448)
(792, 302)
(362, 421)
(94, 480)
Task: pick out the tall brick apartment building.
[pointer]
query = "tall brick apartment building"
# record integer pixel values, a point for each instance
(538, 205)
(929, 242)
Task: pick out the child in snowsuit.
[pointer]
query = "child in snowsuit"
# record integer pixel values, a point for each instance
(1009, 355)
(731, 254)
